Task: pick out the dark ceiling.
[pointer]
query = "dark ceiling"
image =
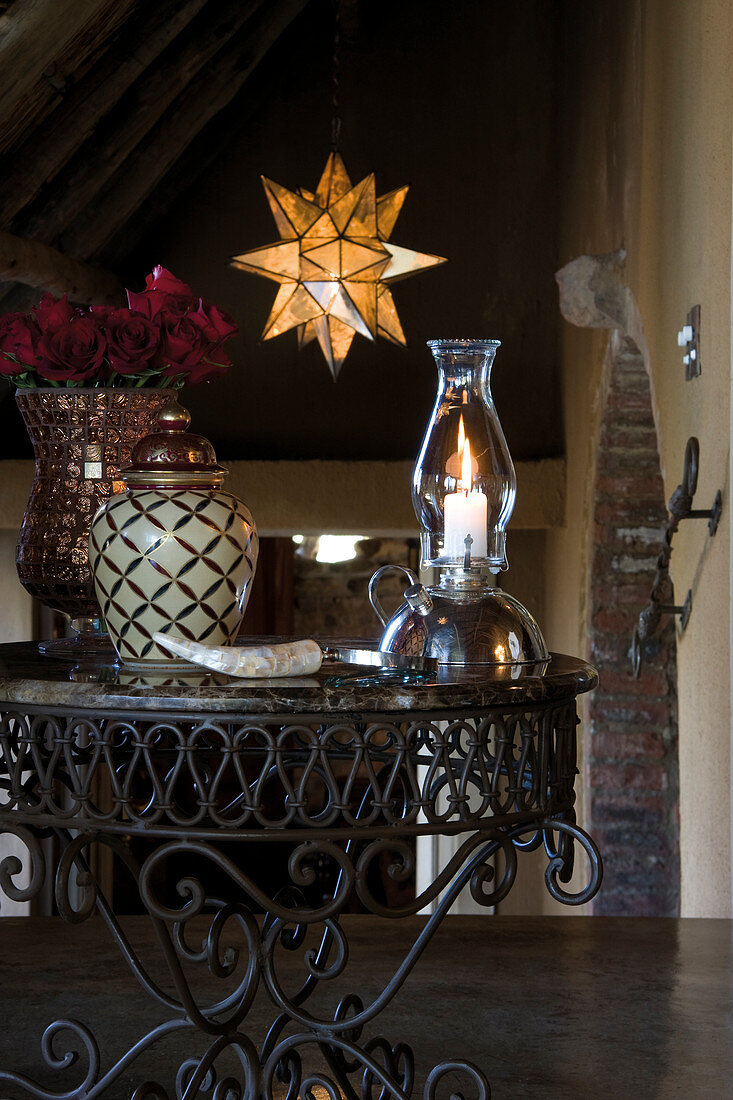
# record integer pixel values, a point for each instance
(138, 132)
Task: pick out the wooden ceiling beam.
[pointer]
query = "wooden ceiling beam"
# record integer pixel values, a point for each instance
(36, 162)
(129, 122)
(42, 45)
(210, 92)
(38, 265)
(206, 79)
(196, 161)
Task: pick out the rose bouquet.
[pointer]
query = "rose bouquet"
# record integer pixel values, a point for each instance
(164, 337)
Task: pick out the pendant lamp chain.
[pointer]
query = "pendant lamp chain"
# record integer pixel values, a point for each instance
(336, 78)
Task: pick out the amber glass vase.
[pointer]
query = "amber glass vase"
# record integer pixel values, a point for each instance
(81, 438)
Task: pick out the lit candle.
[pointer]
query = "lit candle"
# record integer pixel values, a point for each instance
(466, 511)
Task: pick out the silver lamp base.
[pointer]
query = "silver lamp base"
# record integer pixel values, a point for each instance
(464, 621)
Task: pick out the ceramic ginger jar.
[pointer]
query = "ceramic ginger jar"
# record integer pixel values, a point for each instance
(173, 552)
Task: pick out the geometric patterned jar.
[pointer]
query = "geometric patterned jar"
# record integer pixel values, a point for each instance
(173, 553)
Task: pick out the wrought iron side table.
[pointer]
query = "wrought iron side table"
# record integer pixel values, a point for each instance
(346, 772)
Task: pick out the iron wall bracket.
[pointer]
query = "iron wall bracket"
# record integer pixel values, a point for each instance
(680, 508)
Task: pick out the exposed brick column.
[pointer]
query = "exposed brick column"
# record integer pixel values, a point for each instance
(630, 751)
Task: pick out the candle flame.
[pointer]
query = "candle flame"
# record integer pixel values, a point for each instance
(466, 470)
(464, 453)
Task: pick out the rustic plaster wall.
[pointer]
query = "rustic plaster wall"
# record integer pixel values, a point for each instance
(647, 166)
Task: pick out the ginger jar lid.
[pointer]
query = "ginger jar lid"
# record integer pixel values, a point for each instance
(172, 457)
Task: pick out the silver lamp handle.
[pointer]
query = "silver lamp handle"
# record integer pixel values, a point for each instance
(374, 584)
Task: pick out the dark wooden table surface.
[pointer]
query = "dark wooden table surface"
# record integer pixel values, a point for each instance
(556, 1008)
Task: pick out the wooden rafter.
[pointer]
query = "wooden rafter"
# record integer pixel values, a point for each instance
(37, 265)
(198, 159)
(116, 131)
(130, 121)
(35, 163)
(41, 45)
(203, 98)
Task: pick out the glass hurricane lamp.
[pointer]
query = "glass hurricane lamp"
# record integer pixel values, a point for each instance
(464, 485)
(463, 491)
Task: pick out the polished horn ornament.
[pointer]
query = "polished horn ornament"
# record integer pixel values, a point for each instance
(298, 658)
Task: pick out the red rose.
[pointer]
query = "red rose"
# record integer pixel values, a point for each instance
(161, 279)
(183, 341)
(53, 313)
(100, 313)
(162, 291)
(131, 340)
(73, 352)
(213, 364)
(190, 329)
(19, 335)
(219, 324)
(151, 303)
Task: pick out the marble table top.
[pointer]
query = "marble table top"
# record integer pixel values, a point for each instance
(28, 677)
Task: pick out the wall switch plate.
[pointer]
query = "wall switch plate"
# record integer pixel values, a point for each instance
(689, 338)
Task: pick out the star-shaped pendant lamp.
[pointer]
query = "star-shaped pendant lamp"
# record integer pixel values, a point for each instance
(334, 263)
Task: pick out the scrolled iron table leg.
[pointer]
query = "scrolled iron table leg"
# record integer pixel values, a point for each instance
(357, 1066)
(499, 781)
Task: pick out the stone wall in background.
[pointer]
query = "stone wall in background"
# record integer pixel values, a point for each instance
(331, 597)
